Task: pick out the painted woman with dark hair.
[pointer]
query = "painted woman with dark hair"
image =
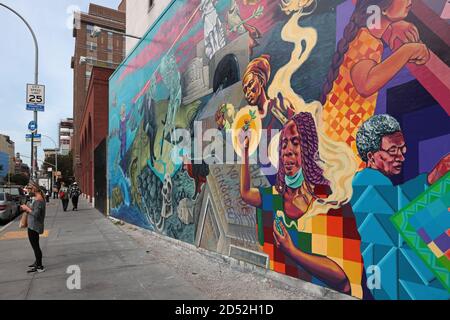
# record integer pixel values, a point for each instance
(358, 70)
(300, 236)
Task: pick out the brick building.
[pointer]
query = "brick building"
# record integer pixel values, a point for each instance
(20, 167)
(93, 135)
(105, 50)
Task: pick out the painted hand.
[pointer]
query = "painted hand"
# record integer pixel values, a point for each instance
(244, 139)
(403, 31)
(419, 53)
(283, 242)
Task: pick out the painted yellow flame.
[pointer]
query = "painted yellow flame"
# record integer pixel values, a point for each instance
(339, 162)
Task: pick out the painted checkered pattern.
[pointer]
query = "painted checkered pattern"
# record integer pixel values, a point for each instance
(345, 109)
(425, 225)
(439, 246)
(333, 235)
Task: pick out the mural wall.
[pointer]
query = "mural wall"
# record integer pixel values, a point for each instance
(4, 165)
(311, 137)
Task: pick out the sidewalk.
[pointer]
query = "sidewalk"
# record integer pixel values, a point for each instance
(124, 262)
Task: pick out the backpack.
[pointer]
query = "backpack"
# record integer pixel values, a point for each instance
(63, 193)
(75, 192)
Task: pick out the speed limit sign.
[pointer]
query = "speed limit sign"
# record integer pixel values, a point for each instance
(35, 97)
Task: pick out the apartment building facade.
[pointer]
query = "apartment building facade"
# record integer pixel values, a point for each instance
(105, 49)
(65, 136)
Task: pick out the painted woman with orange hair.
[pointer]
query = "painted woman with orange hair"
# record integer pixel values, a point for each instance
(274, 112)
(358, 72)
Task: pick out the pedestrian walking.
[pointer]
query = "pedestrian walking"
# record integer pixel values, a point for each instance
(75, 193)
(35, 216)
(55, 192)
(64, 195)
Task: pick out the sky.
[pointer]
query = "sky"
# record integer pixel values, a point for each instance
(51, 21)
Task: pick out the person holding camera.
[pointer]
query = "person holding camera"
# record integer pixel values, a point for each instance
(33, 219)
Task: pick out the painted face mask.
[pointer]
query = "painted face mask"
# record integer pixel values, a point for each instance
(296, 181)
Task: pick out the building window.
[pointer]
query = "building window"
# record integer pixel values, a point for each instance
(89, 29)
(151, 3)
(92, 46)
(92, 57)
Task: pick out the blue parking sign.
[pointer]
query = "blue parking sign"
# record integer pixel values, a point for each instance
(32, 126)
(35, 107)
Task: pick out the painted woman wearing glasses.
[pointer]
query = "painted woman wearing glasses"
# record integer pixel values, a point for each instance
(381, 145)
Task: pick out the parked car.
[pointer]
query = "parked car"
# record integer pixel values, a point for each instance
(17, 193)
(9, 209)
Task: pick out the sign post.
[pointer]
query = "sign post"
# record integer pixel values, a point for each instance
(36, 139)
(35, 97)
(35, 101)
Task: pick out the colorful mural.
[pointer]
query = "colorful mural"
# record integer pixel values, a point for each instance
(311, 137)
(4, 165)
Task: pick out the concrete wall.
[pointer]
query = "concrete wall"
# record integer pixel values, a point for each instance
(381, 232)
(140, 18)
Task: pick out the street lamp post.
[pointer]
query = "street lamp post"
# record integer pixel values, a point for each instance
(36, 82)
(96, 31)
(86, 60)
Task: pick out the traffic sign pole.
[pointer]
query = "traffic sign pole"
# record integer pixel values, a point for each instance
(32, 155)
(35, 101)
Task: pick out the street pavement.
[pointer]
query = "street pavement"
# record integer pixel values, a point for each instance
(122, 262)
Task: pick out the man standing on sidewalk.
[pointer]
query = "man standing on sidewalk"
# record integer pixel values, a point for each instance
(75, 193)
(64, 195)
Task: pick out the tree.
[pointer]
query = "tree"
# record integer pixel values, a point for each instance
(65, 165)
